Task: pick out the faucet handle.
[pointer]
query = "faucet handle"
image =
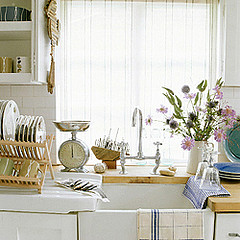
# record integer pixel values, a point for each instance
(157, 144)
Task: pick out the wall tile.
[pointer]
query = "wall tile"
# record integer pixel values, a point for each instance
(5, 91)
(41, 91)
(26, 91)
(47, 113)
(26, 111)
(236, 93)
(228, 92)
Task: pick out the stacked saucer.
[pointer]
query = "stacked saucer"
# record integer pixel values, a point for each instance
(228, 170)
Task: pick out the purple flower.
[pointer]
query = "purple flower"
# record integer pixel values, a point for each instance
(218, 94)
(148, 120)
(162, 109)
(190, 95)
(228, 112)
(219, 135)
(188, 143)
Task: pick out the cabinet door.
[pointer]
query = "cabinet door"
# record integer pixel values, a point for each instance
(232, 58)
(227, 225)
(29, 226)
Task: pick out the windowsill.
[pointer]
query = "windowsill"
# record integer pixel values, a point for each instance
(140, 174)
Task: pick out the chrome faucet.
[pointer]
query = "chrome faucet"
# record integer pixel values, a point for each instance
(134, 120)
(140, 155)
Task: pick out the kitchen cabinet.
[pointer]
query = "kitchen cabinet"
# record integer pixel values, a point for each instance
(231, 37)
(227, 226)
(26, 39)
(37, 226)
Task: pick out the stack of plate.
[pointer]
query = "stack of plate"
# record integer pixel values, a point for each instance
(30, 129)
(9, 114)
(228, 170)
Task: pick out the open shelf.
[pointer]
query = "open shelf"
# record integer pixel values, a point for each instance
(15, 30)
(15, 78)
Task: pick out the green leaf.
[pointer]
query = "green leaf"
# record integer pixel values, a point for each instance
(208, 96)
(199, 86)
(196, 98)
(178, 116)
(178, 101)
(169, 98)
(169, 90)
(204, 86)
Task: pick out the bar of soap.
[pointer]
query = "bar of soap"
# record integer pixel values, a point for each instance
(167, 172)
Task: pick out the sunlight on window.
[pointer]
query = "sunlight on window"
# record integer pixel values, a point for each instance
(118, 54)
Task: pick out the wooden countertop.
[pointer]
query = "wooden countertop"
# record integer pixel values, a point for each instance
(227, 204)
(141, 174)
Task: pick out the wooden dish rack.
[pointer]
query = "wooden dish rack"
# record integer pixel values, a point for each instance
(21, 151)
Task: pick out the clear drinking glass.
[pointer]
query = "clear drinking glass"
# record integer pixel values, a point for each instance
(207, 147)
(210, 179)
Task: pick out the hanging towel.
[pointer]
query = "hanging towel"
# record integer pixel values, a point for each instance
(174, 224)
(198, 196)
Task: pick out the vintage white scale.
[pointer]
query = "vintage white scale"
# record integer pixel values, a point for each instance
(73, 153)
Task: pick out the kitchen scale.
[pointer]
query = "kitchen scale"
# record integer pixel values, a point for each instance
(73, 153)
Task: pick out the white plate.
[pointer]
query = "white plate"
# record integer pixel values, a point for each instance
(1, 103)
(10, 115)
(1, 116)
(40, 131)
(228, 177)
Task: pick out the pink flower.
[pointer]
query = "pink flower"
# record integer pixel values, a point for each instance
(218, 94)
(188, 143)
(162, 109)
(219, 135)
(190, 95)
(148, 120)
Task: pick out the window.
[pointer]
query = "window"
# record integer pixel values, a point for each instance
(116, 55)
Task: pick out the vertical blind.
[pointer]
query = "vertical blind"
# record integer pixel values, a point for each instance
(116, 55)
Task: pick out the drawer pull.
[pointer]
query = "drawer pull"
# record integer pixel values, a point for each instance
(234, 235)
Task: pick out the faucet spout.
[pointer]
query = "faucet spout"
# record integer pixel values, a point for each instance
(134, 120)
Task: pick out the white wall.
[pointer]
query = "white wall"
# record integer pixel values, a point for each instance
(34, 100)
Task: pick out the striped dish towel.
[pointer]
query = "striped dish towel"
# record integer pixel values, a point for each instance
(197, 196)
(174, 224)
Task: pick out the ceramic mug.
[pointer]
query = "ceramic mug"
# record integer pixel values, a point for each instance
(23, 64)
(29, 169)
(5, 65)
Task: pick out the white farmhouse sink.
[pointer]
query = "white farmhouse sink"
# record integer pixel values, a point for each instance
(54, 199)
(117, 220)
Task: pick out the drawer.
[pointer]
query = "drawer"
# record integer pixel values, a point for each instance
(227, 226)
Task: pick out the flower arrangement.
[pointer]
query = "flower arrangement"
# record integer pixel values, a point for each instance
(201, 119)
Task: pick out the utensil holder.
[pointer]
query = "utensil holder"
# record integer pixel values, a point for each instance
(107, 156)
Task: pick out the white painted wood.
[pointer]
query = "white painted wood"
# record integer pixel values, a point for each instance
(232, 57)
(27, 39)
(225, 224)
(41, 41)
(29, 226)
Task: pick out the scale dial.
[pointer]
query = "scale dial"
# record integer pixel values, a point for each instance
(73, 154)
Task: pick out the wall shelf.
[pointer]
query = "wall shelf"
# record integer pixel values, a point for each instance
(16, 78)
(15, 30)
